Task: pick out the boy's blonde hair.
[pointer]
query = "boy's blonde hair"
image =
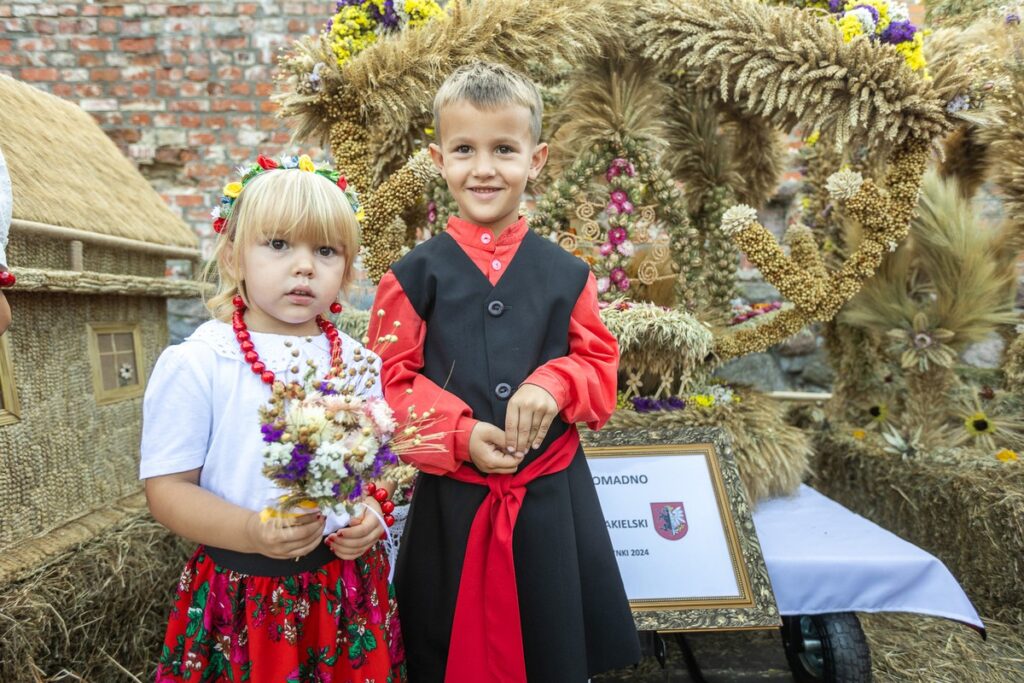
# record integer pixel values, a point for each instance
(288, 204)
(487, 85)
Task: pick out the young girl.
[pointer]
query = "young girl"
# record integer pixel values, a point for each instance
(264, 601)
(6, 278)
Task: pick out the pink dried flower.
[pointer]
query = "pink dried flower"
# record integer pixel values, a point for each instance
(617, 236)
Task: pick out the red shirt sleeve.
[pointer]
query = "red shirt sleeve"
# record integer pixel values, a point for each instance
(405, 387)
(583, 382)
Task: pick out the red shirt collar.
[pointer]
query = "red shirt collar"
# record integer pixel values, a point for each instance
(468, 233)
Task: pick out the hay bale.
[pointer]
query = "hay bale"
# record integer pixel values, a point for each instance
(969, 514)
(911, 647)
(98, 612)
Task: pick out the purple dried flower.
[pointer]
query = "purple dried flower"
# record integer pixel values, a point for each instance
(871, 10)
(299, 465)
(617, 275)
(676, 403)
(619, 197)
(617, 236)
(357, 491)
(898, 32)
(271, 433)
(1013, 18)
(836, 5)
(624, 284)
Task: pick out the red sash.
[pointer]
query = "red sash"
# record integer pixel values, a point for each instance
(487, 637)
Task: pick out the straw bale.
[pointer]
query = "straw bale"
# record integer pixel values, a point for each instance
(52, 145)
(657, 339)
(914, 648)
(61, 463)
(772, 456)
(38, 280)
(969, 513)
(99, 611)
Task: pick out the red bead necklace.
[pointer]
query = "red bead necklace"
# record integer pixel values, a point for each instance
(253, 358)
(7, 278)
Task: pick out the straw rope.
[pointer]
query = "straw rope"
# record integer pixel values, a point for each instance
(40, 280)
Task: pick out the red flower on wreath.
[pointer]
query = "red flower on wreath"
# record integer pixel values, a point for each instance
(219, 224)
(266, 163)
(342, 183)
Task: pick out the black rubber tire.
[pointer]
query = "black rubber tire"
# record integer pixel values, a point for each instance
(826, 648)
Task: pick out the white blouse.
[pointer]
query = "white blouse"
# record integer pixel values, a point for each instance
(6, 207)
(201, 409)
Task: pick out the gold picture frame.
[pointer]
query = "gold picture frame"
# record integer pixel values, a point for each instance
(10, 409)
(104, 392)
(752, 606)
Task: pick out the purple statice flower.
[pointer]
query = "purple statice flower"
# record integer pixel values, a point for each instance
(642, 404)
(1012, 18)
(675, 403)
(958, 104)
(617, 236)
(357, 491)
(388, 18)
(898, 32)
(271, 433)
(336, 489)
(836, 6)
(299, 465)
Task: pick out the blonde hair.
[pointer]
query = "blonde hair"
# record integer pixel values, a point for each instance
(487, 86)
(289, 204)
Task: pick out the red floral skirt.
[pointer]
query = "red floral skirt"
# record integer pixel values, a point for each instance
(335, 624)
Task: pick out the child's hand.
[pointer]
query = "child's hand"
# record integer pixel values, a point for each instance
(286, 538)
(359, 536)
(530, 412)
(486, 450)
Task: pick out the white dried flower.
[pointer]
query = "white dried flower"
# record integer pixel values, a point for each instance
(737, 219)
(844, 184)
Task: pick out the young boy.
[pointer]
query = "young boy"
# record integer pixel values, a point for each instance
(506, 571)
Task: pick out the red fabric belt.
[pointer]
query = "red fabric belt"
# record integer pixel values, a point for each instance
(487, 637)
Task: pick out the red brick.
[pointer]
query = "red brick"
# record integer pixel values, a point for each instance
(232, 105)
(46, 27)
(268, 107)
(229, 73)
(190, 121)
(112, 11)
(88, 90)
(165, 120)
(137, 44)
(281, 138)
(231, 43)
(37, 74)
(263, 89)
(269, 123)
(178, 11)
(12, 59)
(141, 89)
(216, 122)
(190, 105)
(109, 25)
(141, 119)
(119, 90)
(93, 43)
(246, 8)
(106, 74)
(90, 10)
(197, 74)
(6, 45)
(240, 89)
(214, 89)
(36, 44)
(192, 90)
(88, 59)
(201, 139)
(189, 200)
(137, 59)
(166, 90)
(64, 90)
(297, 26)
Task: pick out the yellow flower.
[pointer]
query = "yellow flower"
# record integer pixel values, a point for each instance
(704, 400)
(1006, 455)
(360, 215)
(859, 434)
(978, 423)
(813, 138)
(306, 164)
(851, 27)
(913, 52)
(233, 190)
(428, 131)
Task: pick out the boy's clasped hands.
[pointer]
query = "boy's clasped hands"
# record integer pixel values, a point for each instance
(500, 451)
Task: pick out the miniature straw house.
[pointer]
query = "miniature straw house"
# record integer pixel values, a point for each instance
(89, 244)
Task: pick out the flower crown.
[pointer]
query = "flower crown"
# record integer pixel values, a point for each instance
(222, 212)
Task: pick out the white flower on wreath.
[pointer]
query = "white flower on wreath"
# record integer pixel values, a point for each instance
(126, 373)
(383, 417)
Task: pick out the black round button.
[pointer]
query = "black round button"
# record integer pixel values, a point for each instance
(495, 308)
(503, 390)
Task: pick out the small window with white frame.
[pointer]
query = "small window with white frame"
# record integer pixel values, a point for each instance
(115, 351)
(10, 412)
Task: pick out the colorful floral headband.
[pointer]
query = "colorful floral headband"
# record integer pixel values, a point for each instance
(222, 212)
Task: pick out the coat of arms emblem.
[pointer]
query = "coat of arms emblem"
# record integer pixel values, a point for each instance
(669, 520)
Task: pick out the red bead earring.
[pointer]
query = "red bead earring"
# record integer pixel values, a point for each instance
(7, 278)
(336, 308)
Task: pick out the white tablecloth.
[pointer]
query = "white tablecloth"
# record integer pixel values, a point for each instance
(822, 558)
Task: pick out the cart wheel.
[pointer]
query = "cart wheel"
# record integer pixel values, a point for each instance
(826, 648)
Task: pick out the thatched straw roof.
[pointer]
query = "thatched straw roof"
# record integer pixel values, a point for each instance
(66, 172)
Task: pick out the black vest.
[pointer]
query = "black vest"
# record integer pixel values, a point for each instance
(489, 338)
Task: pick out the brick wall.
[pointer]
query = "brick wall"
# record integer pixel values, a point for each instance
(181, 88)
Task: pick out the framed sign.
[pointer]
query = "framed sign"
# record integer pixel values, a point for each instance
(681, 529)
